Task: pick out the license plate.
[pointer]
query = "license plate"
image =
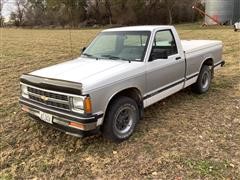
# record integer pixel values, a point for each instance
(46, 117)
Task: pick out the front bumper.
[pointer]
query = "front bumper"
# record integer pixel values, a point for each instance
(83, 125)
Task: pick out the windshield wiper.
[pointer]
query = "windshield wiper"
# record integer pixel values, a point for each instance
(90, 56)
(115, 58)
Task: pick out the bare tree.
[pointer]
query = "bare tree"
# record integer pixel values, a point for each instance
(108, 10)
(170, 4)
(20, 4)
(89, 12)
(2, 2)
(18, 15)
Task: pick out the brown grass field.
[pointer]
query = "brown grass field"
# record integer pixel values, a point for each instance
(185, 136)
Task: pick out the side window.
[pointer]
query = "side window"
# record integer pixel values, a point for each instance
(164, 45)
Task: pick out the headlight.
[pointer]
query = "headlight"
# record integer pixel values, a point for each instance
(78, 102)
(24, 91)
(81, 104)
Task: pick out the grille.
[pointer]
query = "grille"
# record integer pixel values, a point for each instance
(54, 99)
(48, 94)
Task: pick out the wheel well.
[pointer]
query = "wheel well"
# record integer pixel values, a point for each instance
(132, 93)
(209, 62)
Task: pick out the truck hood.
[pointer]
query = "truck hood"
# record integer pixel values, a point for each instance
(87, 71)
(78, 69)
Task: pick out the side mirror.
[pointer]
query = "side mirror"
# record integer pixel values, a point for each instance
(83, 49)
(158, 54)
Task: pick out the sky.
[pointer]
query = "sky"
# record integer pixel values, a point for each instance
(8, 8)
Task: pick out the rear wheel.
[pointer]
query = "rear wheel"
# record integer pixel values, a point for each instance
(204, 80)
(121, 119)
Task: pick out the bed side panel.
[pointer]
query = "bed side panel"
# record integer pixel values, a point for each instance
(195, 59)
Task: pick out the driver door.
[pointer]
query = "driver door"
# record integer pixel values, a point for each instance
(166, 67)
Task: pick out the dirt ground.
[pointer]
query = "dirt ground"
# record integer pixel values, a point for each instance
(185, 136)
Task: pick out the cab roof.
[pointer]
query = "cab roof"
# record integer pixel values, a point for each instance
(138, 28)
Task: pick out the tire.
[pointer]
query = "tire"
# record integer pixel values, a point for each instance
(121, 119)
(204, 81)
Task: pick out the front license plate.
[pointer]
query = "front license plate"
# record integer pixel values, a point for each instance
(46, 117)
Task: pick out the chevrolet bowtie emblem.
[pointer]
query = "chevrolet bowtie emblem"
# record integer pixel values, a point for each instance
(44, 98)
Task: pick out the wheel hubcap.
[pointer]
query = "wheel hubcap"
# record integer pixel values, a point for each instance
(124, 120)
(205, 80)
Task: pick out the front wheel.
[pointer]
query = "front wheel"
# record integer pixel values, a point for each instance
(204, 81)
(121, 119)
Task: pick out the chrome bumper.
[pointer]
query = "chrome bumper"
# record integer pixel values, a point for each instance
(69, 123)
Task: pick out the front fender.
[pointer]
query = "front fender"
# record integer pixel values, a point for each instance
(102, 97)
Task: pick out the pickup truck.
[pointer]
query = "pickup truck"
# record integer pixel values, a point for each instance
(121, 72)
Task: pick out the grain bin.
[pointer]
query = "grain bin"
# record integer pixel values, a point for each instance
(221, 10)
(236, 11)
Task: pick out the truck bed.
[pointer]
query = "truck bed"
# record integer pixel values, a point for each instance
(195, 45)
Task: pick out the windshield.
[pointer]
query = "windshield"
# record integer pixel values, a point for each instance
(121, 45)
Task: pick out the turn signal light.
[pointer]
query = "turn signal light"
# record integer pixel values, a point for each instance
(76, 125)
(88, 105)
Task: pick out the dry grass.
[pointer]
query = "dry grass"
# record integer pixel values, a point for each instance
(184, 136)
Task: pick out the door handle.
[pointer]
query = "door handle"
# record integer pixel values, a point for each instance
(178, 58)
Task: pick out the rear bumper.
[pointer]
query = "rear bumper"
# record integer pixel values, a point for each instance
(222, 63)
(83, 125)
(219, 64)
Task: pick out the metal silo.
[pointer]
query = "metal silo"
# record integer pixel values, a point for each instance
(236, 11)
(221, 10)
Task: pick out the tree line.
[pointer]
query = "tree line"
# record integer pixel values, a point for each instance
(80, 13)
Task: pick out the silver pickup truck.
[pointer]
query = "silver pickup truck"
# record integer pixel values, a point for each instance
(122, 71)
